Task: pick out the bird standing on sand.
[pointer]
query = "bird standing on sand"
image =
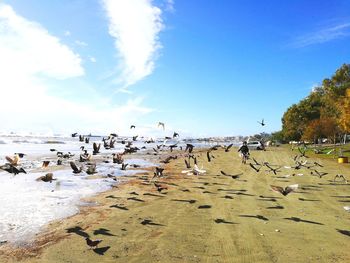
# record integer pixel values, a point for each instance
(93, 243)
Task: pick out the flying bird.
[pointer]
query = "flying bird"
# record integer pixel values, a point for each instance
(161, 124)
(46, 178)
(96, 148)
(92, 243)
(14, 160)
(75, 168)
(189, 147)
(208, 156)
(262, 122)
(256, 169)
(227, 149)
(285, 191)
(12, 169)
(175, 135)
(132, 126)
(45, 164)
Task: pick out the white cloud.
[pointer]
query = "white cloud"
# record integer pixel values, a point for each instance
(92, 59)
(323, 35)
(67, 33)
(135, 25)
(170, 5)
(81, 43)
(31, 59)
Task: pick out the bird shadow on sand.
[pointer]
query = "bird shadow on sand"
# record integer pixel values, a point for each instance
(112, 196)
(268, 199)
(275, 207)
(309, 200)
(204, 206)
(101, 250)
(190, 201)
(297, 219)
(119, 207)
(208, 192)
(149, 222)
(150, 194)
(260, 217)
(341, 196)
(135, 199)
(223, 221)
(77, 230)
(344, 232)
(227, 197)
(103, 231)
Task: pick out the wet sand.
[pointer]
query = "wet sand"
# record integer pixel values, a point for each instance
(207, 218)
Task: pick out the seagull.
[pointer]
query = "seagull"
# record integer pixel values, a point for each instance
(208, 156)
(189, 147)
(256, 169)
(161, 124)
(262, 122)
(132, 126)
(45, 164)
(347, 208)
(92, 243)
(91, 169)
(285, 191)
(96, 148)
(175, 135)
(75, 168)
(227, 149)
(160, 187)
(46, 178)
(124, 165)
(317, 173)
(74, 134)
(12, 169)
(14, 160)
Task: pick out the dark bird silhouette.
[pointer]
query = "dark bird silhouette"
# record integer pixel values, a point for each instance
(132, 126)
(45, 164)
(189, 147)
(160, 187)
(317, 173)
(161, 124)
(236, 176)
(74, 134)
(208, 156)
(96, 148)
(91, 169)
(87, 140)
(274, 170)
(81, 138)
(285, 191)
(92, 243)
(188, 165)
(12, 169)
(59, 161)
(113, 135)
(171, 147)
(175, 135)
(21, 155)
(262, 123)
(134, 138)
(341, 177)
(124, 165)
(118, 158)
(75, 168)
(255, 161)
(317, 164)
(227, 149)
(46, 178)
(256, 169)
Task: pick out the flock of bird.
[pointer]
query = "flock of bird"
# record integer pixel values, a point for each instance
(86, 161)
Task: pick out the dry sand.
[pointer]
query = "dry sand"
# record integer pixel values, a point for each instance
(239, 220)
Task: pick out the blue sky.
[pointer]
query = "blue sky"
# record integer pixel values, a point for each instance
(204, 68)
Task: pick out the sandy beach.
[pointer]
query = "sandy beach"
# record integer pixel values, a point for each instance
(207, 218)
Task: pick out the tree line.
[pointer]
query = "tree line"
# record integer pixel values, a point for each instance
(324, 113)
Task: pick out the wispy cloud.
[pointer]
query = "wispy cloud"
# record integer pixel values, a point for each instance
(323, 35)
(135, 25)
